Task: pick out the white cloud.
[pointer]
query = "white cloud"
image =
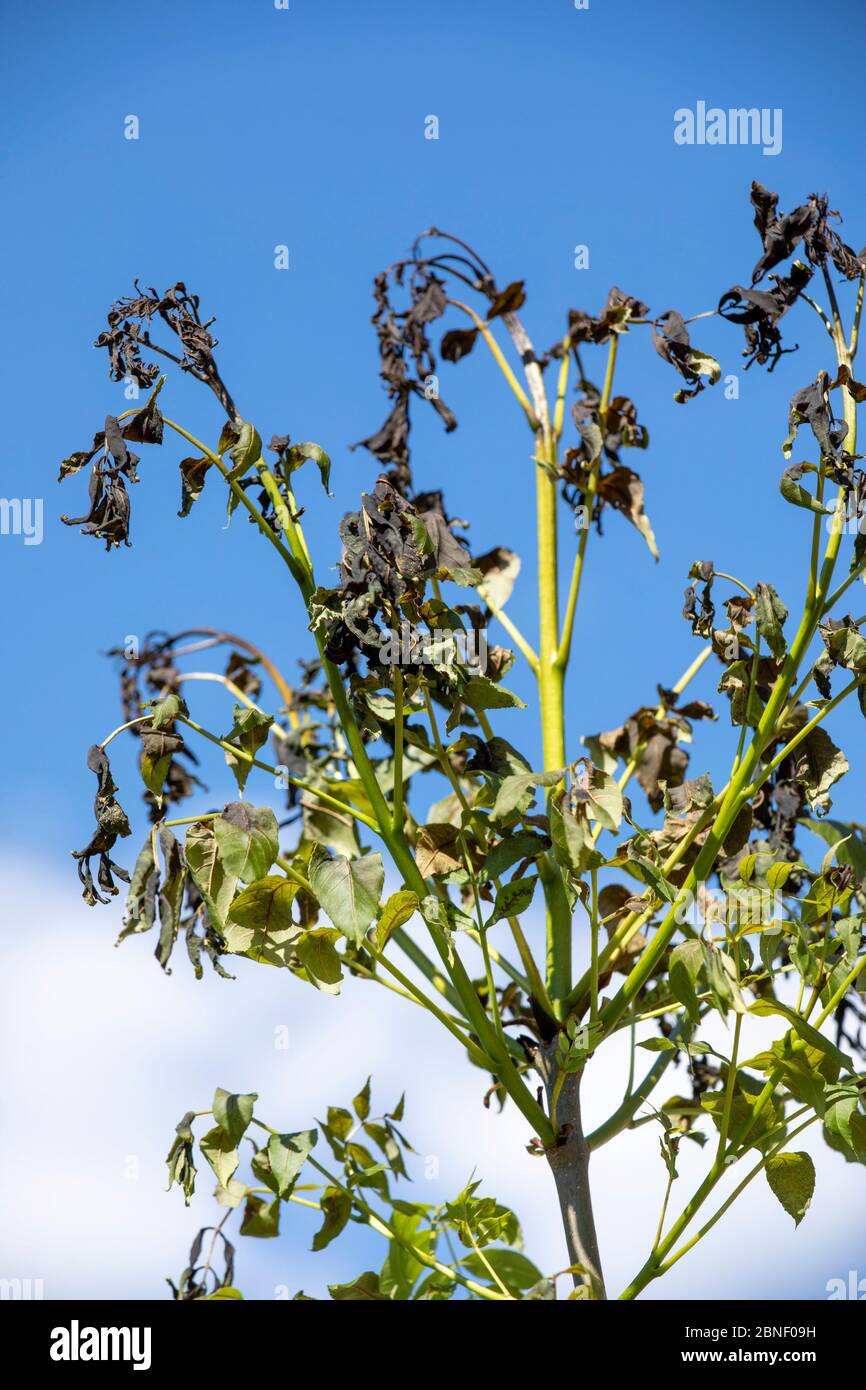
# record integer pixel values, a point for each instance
(104, 1054)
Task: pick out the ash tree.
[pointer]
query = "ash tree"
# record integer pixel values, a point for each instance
(668, 900)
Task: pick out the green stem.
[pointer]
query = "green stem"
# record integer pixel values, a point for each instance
(241, 495)
(588, 502)
(398, 750)
(383, 1229)
(327, 800)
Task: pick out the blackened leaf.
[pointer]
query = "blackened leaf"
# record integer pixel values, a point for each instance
(75, 462)
(438, 849)
(508, 301)
(456, 344)
(248, 839)
(746, 704)
(193, 472)
(170, 894)
(146, 426)
(671, 341)
(811, 406)
(500, 568)
(818, 763)
(181, 1168)
(770, 614)
(624, 490)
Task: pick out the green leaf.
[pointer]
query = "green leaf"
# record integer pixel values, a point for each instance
(340, 1121)
(244, 446)
(233, 1112)
(266, 907)
(847, 647)
(298, 455)
(853, 852)
(158, 747)
(572, 837)
(337, 1206)
(248, 839)
(163, 712)
(336, 829)
(140, 912)
(792, 1178)
(513, 899)
(765, 1007)
(445, 915)
(318, 955)
(602, 797)
(227, 1291)
(521, 844)
(261, 1218)
(852, 1145)
(260, 924)
(170, 894)
(481, 693)
(794, 492)
(364, 1289)
(685, 965)
(287, 1154)
(396, 913)
(723, 983)
(208, 873)
(348, 890)
(221, 1153)
(181, 1168)
(514, 1269)
(249, 732)
(517, 792)
(770, 614)
(361, 1102)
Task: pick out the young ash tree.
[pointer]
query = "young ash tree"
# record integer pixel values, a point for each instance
(700, 899)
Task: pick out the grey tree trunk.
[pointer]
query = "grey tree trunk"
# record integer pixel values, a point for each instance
(569, 1163)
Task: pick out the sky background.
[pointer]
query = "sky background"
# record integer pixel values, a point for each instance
(305, 127)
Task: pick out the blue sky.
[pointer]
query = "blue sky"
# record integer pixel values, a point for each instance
(305, 127)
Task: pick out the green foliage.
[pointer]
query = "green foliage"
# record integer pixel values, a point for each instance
(412, 826)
